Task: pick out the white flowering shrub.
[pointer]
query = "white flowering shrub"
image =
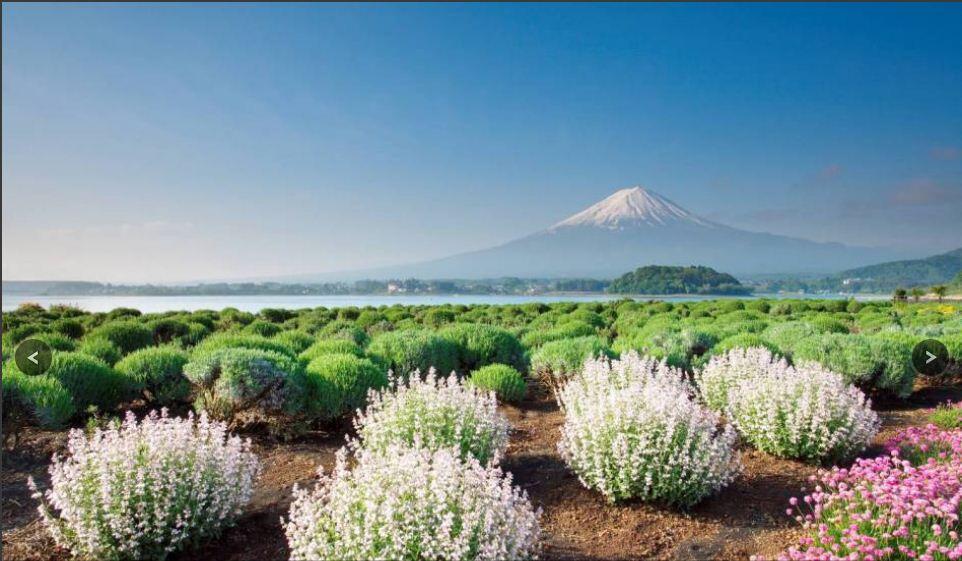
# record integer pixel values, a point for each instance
(807, 412)
(435, 413)
(142, 490)
(632, 429)
(411, 503)
(725, 371)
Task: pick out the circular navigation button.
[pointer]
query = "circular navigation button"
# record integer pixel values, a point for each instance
(33, 356)
(930, 357)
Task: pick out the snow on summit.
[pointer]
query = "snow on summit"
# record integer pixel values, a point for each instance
(635, 206)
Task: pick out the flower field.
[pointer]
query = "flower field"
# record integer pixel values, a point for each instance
(721, 429)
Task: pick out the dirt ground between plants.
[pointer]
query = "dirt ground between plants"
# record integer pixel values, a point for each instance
(744, 519)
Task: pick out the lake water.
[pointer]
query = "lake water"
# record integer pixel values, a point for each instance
(150, 304)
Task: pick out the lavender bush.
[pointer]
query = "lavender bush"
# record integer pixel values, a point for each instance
(807, 412)
(410, 503)
(633, 430)
(437, 413)
(142, 490)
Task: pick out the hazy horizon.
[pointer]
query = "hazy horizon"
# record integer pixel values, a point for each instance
(188, 143)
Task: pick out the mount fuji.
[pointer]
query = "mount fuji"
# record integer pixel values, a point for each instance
(635, 227)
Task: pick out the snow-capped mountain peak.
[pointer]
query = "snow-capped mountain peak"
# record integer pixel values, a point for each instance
(632, 207)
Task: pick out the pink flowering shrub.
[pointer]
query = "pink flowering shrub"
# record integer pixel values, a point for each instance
(918, 444)
(142, 490)
(882, 508)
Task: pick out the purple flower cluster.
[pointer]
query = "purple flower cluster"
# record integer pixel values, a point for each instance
(886, 507)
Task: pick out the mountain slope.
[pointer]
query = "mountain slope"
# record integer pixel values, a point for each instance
(632, 228)
(937, 269)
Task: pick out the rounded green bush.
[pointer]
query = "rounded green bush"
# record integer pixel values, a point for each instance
(69, 327)
(19, 333)
(262, 328)
(243, 341)
(787, 335)
(298, 341)
(567, 330)
(869, 361)
(436, 317)
(742, 341)
(506, 382)
(331, 346)
(349, 376)
(232, 380)
(480, 344)
(557, 361)
(166, 330)
(128, 336)
(828, 324)
(101, 349)
(90, 381)
(56, 341)
(342, 329)
(405, 352)
(43, 400)
(158, 371)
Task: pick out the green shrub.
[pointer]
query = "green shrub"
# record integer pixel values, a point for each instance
(101, 349)
(166, 330)
(233, 380)
(90, 381)
(196, 332)
(368, 318)
(41, 399)
(787, 335)
(128, 336)
(298, 341)
(568, 330)
(743, 341)
(828, 324)
(506, 382)
(948, 416)
(123, 313)
(239, 341)
(19, 333)
(436, 317)
(69, 327)
(405, 352)
(869, 361)
(158, 371)
(331, 346)
(479, 344)
(344, 330)
(347, 377)
(262, 328)
(277, 315)
(557, 361)
(56, 341)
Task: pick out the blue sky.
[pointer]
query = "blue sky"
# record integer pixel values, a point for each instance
(158, 143)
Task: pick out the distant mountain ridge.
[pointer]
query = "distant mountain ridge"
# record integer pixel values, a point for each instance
(631, 228)
(937, 269)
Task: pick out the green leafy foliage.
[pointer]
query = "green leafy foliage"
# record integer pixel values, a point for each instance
(405, 352)
(158, 372)
(507, 383)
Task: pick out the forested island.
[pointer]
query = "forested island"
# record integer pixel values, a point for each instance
(657, 279)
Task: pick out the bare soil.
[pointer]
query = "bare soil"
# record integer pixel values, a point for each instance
(746, 518)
